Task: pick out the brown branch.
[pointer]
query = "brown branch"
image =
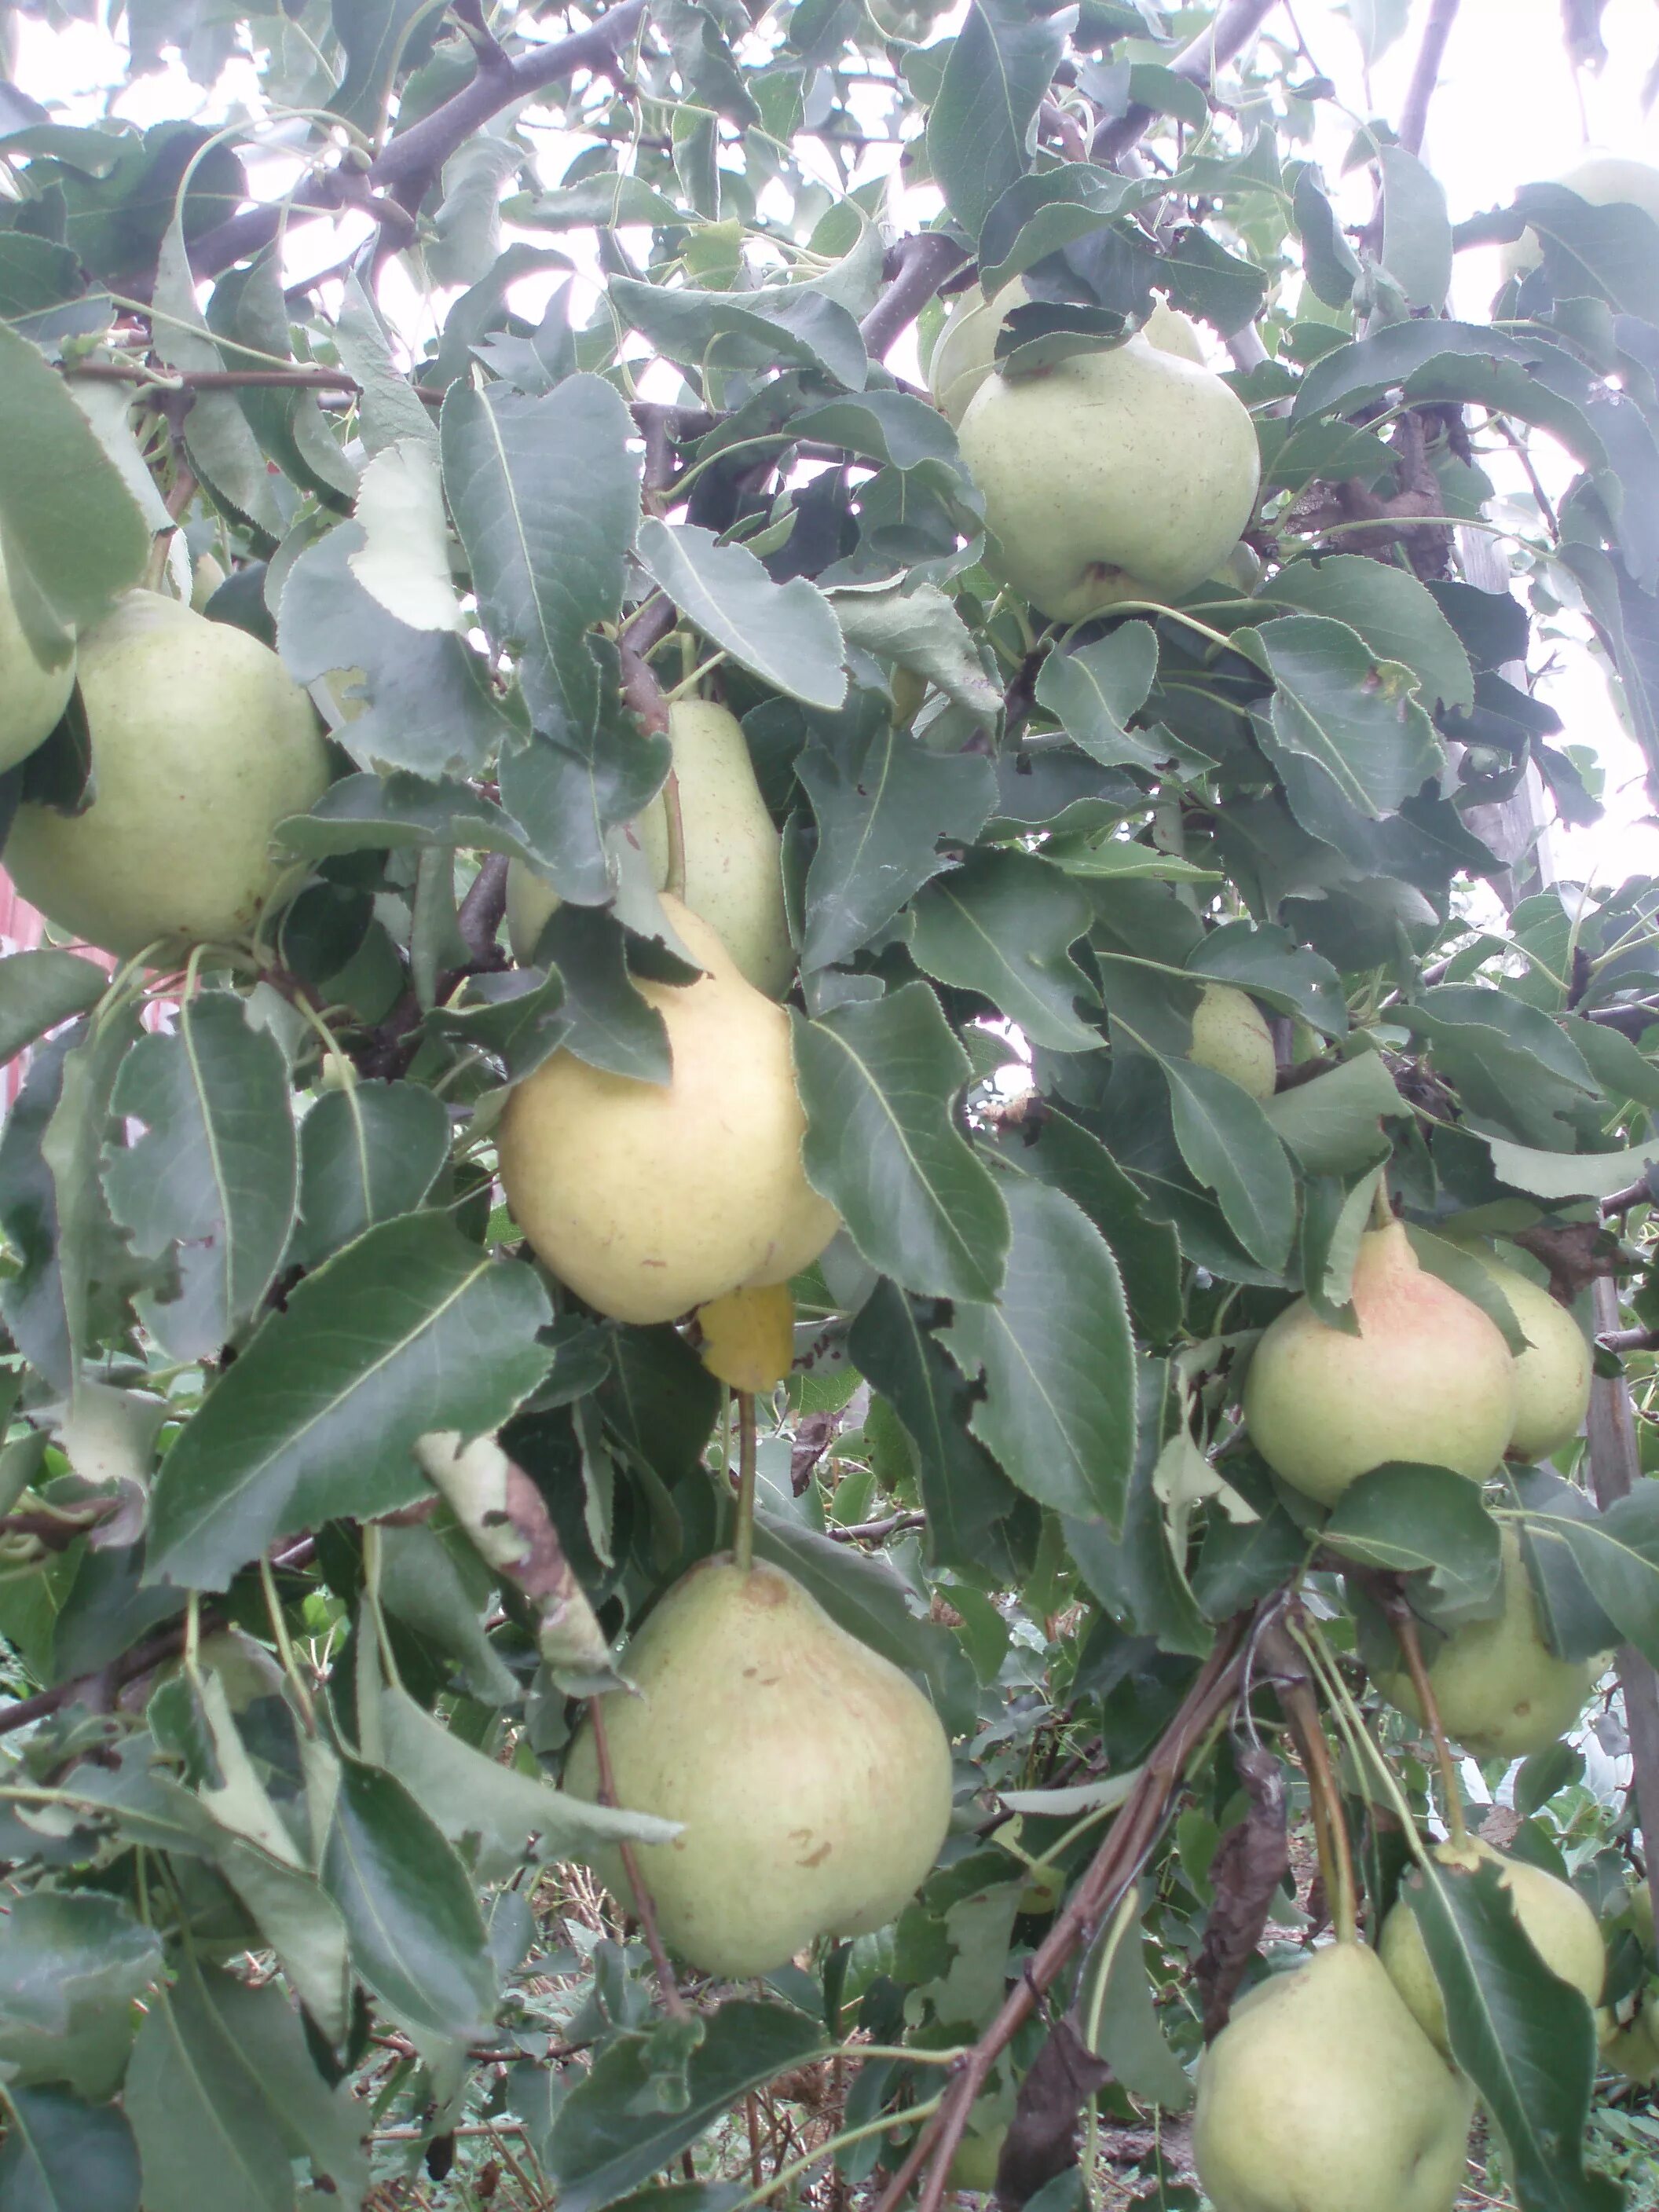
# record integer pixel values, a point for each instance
(1233, 28)
(1415, 118)
(56, 1532)
(918, 267)
(233, 380)
(874, 1532)
(1113, 1867)
(1615, 1465)
(1629, 1340)
(479, 914)
(406, 170)
(646, 1912)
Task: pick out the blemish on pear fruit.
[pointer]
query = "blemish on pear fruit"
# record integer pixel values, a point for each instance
(828, 1745)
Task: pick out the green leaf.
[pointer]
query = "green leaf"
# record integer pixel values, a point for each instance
(1417, 237)
(1592, 252)
(214, 1178)
(610, 1024)
(1574, 1623)
(1092, 693)
(1617, 1552)
(1038, 215)
(1524, 2038)
(611, 2134)
(964, 1493)
(1057, 1358)
(414, 699)
(1333, 1124)
(998, 70)
(219, 439)
(1130, 2039)
(416, 1937)
(37, 990)
(1266, 962)
(1557, 1175)
(785, 634)
(1230, 1145)
(1003, 924)
(70, 1965)
(410, 1328)
(400, 813)
(72, 533)
(61, 2155)
(1137, 1575)
(222, 2095)
(1394, 614)
(878, 1082)
(1347, 728)
(1331, 263)
(1419, 1520)
(774, 324)
(916, 626)
(883, 803)
(368, 1152)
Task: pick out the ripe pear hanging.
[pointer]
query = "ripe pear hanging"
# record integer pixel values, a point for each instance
(1429, 1379)
(1502, 1693)
(649, 1199)
(1323, 2095)
(732, 853)
(964, 352)
(1231, 1035)
(32, 694)
(1563, 1930)
(812, 1778)
(201, 744)
(1552, 1375)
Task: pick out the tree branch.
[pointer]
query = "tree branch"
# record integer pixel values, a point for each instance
(920, 265)
(479, 915)
(1415, 118)
(1233, 28)
(1615, 1470)
(411, 163)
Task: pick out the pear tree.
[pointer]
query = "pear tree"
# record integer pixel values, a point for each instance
(828, 1193)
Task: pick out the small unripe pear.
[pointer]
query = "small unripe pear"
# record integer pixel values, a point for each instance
(206, 581)
(33, 696)
(1501, 1692)
(1111, 476)
(812, 1777)
(201, 744)
(1231, 1035)
(1559, 1925)
(1552, 1375)
(1322, 2095)
(1429, 1379)
(649, 1199)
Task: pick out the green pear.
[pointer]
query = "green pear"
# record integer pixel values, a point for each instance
(1603, 180)
(1231, 1035)
(649, 1199)
(201, 744)
(1501, 1692)
(964, 353)
(1126, 475)
(1632, 2049)
(1322, 2095)
(33, 696)
(1559, 1925)
(975, 2161)
(733, 857)
(811, 1778)
(1428, 1378)
(1553, 1375)
(205, 580)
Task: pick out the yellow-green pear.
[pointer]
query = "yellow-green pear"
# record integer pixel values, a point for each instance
(1603, 180)
(1126, 475)
(1501, 1692)
(1632, 2049)
(1231, 1035)
(734, 859)
(1323, 2095)
(649, 1199)
(749, 1338)
(205, 580)
(811, 1778)
(1552, 1375)
(201, 744)
(964, 352)
(33, 696)
(1560, 1926)
(1429, 1379)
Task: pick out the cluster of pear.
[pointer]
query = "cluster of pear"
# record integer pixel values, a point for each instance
(1108, 476)
(1429, 1379)
(649, 1199)
(811, 1778)
(200, 744)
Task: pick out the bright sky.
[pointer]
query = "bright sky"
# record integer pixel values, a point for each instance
(1508, 110)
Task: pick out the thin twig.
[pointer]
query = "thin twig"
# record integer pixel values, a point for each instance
(874, 1532)
(1415, 118)
(1403, 1621)
(644, 1910)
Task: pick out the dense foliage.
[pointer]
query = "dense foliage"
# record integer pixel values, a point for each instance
(293, 1894)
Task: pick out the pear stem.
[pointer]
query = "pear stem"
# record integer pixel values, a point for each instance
(675, 875)
(743, 1536)
(1405, 1628)
(673, 2003)
(1382, 1204)
(1325, 1801)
